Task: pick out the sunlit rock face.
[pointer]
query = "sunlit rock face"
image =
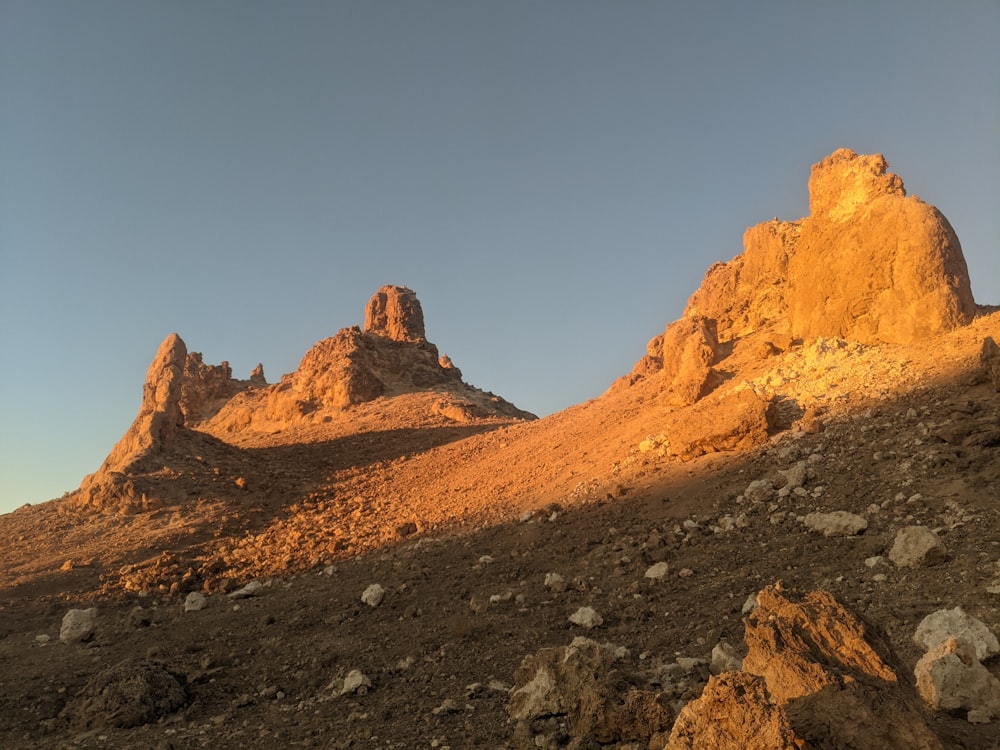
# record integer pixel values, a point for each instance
(869, 264)
(872, 264)
(395, 313)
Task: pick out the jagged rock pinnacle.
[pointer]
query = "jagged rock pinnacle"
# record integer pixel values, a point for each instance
(395, 313)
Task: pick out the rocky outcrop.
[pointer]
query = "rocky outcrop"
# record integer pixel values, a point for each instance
(206, 388)
(812, 677)
(391, 356)
(160, 415)
(871, 264)
(868, 264)
(690, 348)
(395, 313)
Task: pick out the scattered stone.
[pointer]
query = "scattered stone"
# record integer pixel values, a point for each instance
(837, 523)
(944, 624)
(373, 595)
(42, 639)
(139, 617)
(250, 590)
(448, 706)
(355, 682)
(917, 546)
(657, 571)
(78, 625)
(129, 694)
(795, 476)
(685, 572)
(195, 602)
(950, 677)
(586, 617)
(555, 582)
(759, 491)
(750, 604)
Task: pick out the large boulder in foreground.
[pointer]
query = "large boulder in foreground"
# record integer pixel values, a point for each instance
(813, 677)
(868, 264)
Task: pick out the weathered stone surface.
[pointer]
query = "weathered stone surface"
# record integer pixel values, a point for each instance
(868, 264)
(944, 624)
(917, 546)
(737, 421)
(373, 595)
(78, 625)
(128, 694)
(195, 602)
(950, 677)
(836, 523)
(586, 617)
(799, 645)
(160, 414)
(571, 695)
(734, 712)
(690, 348)
(396, 313)
(748, 293)
(391, 356)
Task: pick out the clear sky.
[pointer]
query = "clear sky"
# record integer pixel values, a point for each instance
(552, 177)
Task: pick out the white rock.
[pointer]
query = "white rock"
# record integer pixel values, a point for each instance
(485, 560)
(251, 589)
(872, 562)
(354, 682)
(657, 571)
(750, 604)
(555, 582)
(373, 595)
(725, 659)
(955, 623)
(78, 625)
(837, 523)
(42, 639)
(949, 677)
(586, 617)
(689, 664)
(685, 572)
(916, 546)
(194, 602)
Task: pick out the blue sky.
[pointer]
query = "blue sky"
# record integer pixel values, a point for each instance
(552, 178)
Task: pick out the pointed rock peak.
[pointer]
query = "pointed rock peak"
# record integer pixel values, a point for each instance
(845, 180)
(172, 352)
(395, 313)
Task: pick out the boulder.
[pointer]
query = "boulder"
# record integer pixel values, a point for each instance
(738, 420)
(917, 546)
(572, 695)
(690, 348)
(78, 625)
(950, 678)
(129, 694)
(945, 624)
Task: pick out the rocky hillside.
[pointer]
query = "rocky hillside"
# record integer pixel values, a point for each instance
(371, 553)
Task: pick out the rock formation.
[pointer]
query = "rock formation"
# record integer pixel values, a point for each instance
(869, 264)
(389, 357)
(160, 415)
(821, 671)
(395, 312)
